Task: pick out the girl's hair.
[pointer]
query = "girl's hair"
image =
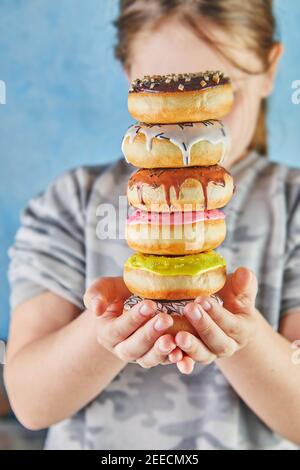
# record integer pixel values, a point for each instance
(251, 23)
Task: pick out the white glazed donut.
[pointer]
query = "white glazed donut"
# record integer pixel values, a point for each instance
(176, 145)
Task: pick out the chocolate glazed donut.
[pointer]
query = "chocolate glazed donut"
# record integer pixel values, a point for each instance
(164, 188)
(177, 98)
(178, 82)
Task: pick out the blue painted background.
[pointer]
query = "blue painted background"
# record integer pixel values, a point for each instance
(66, 99)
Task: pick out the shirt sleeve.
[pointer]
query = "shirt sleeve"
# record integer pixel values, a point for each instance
(291, 276)
(48, 253)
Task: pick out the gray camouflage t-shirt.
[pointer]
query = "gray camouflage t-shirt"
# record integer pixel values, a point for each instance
(58, 248)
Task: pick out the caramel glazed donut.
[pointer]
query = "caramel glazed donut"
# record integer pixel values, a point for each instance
(169, 99)
(174, 308)
(176, 145)
(180, 189)
(175, 278)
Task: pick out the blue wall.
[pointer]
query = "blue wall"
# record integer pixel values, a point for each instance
(66, 99)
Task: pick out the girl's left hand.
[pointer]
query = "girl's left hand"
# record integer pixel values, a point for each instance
(222, 330)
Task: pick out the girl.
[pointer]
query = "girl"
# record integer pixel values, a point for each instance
(69, 369)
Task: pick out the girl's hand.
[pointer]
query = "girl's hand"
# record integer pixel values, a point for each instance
(222, 330)
(137, 336)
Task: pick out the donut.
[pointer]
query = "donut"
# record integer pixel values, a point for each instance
(179, 233)
(180, 189)
(174, 308)
(176, 145)
(190, 97)
(175, 278)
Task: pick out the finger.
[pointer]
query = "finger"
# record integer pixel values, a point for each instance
(176, 355)
(140, 342)
(231, 324)
(209, 332)
(194, 348)
(166, 362)
(240, 291)
(113, 310)
(105, 291)
(158, 354)
(186, 366)
(117, 329)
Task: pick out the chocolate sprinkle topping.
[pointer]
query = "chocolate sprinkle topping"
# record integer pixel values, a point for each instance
(175, 82)
(175, 307)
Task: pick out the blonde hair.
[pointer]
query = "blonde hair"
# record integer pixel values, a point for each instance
(252, 23)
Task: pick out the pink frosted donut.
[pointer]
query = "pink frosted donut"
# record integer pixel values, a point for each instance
(176, 233)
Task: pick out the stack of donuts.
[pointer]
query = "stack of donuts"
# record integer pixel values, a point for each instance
(179, 144)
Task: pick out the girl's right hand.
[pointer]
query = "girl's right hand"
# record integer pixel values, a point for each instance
(139, 335)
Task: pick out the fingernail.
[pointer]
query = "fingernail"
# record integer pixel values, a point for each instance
(186, 343)
(205, 304)
(243, 275)
(176, 356)
(195, 313)
(159, 325)
(145, 310)
(165, 349)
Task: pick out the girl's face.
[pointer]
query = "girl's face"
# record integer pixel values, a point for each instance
(174, 48)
